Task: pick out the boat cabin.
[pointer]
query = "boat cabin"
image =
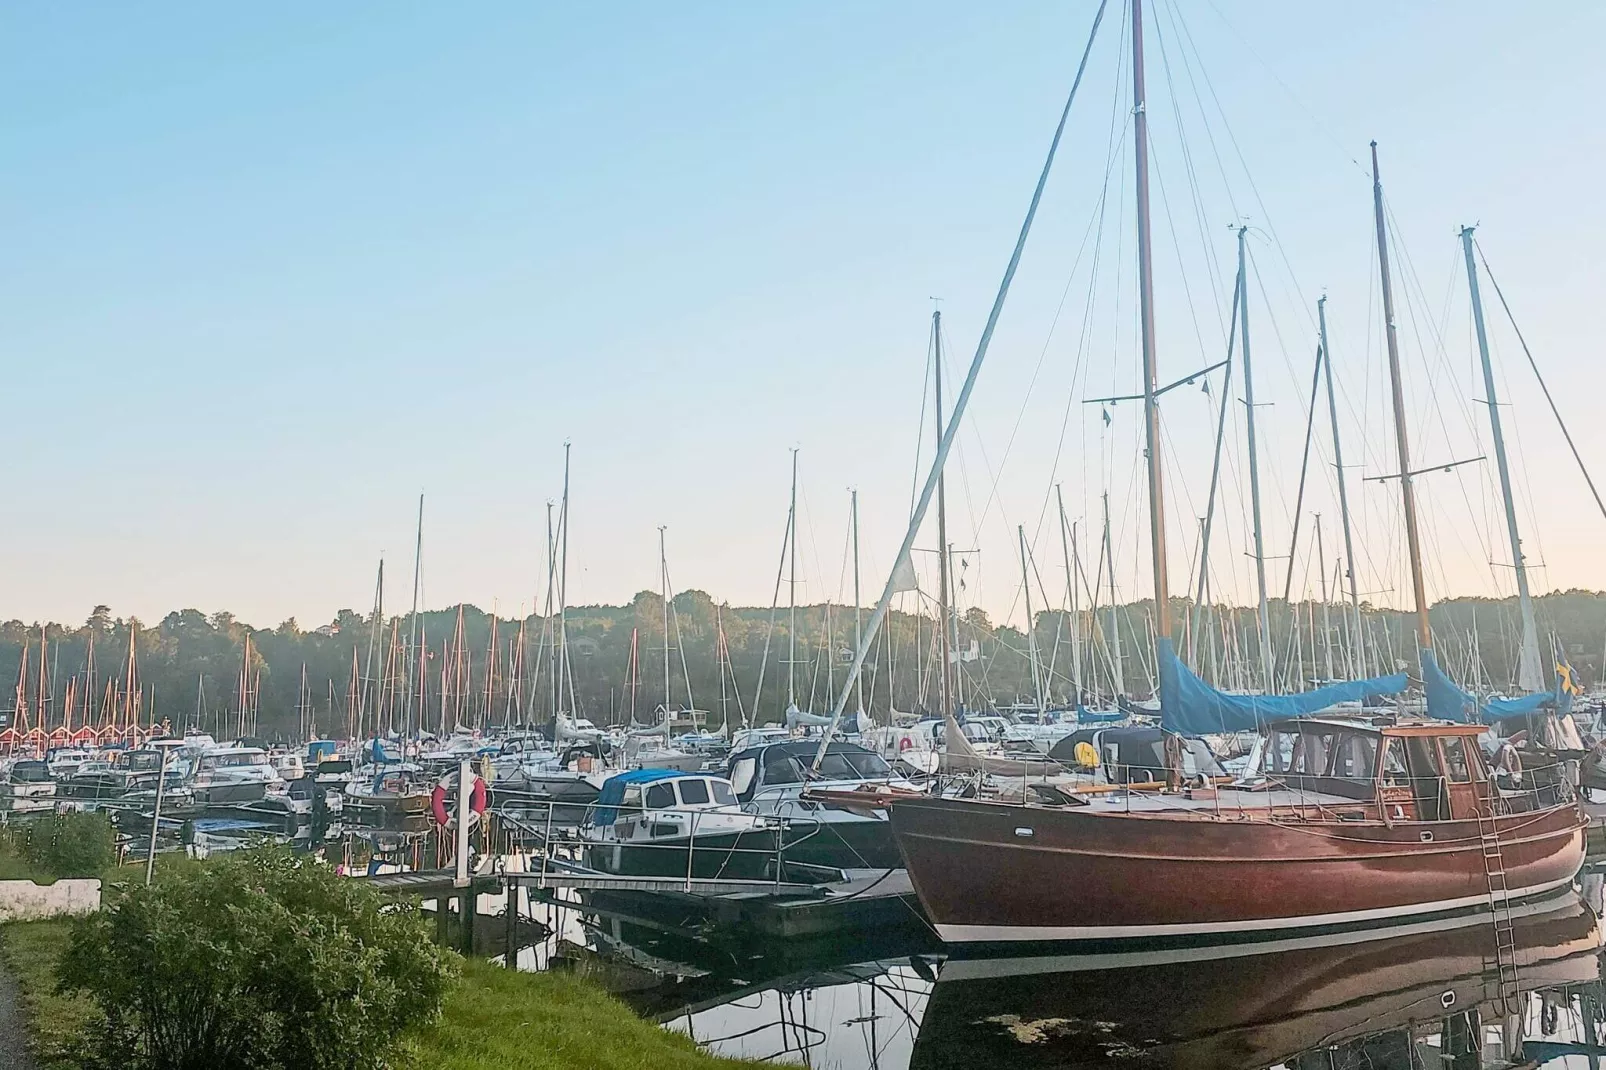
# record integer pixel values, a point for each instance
(1424, 771)
(657, 803)
(786, 766)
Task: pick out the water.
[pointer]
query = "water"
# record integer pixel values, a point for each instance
(1409, 997)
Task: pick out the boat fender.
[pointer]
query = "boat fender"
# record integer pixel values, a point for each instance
(437, 798)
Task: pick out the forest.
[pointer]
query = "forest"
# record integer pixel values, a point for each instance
(462, 666)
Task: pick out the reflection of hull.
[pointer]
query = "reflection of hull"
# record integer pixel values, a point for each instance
(995, 873)
(229, 792)
(1240, 1006)
(745, 855)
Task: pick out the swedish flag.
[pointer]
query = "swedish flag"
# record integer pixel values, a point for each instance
(1564, 680)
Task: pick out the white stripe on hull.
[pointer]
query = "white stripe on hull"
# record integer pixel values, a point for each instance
(980, 934)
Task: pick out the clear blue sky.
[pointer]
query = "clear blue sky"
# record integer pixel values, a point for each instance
(270, 270)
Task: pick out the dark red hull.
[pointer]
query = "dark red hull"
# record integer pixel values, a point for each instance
(995, 873)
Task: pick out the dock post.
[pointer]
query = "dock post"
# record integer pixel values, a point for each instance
(466, 903)
(442, 911)
(510, 915)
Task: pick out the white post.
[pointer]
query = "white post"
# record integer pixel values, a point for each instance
(465, 800)
(156, 819)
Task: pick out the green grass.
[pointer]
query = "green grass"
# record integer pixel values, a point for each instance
(548, 1021)
(495, 1019)
(55, 1022)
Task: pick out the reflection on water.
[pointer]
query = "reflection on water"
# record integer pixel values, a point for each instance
(1406, 998)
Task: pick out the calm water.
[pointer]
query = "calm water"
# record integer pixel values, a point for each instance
(1411, 998)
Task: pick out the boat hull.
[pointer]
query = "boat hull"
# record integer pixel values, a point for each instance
(746, 855)
(990, 873)
(861, 843)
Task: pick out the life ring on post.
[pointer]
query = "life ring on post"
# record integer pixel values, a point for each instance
(905, 744)
(437, 798)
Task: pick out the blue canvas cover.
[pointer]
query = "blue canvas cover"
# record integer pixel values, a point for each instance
(1191, 707)
(1446, 701)
(613, 791)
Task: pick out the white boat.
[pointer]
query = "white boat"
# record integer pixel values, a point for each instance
(229, 775)
(27, 787)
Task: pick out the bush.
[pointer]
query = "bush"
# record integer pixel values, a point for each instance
(259, 960)
(70, 845)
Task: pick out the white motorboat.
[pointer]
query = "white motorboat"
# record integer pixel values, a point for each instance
(226, 776)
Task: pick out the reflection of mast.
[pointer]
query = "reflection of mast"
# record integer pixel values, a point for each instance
(1528, 673)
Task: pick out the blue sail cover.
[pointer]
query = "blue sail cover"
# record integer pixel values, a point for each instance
(1191, 707)
(1447, 702)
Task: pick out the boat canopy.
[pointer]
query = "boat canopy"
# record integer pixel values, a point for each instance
(1191, 707)
(613, 790)
(1448, 702)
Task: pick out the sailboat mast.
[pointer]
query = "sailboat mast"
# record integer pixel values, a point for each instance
(1254, 466)
(563, 587)
(1413, 544)
(1070, 598)
(408, 723)
(944, 692)
(1357, 642)
(1151, 409)
(791, 585)
(1115, 621)
(547, 625)
(663, 579)
(1528, 673)
(858, 602)
(1327, 626)
(1031, 623)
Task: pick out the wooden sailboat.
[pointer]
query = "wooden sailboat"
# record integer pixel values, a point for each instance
(1355, 824)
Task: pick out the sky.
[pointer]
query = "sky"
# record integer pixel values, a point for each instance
(271, 271)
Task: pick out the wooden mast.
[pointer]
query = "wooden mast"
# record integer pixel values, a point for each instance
(1413, 544)
(1151, 410)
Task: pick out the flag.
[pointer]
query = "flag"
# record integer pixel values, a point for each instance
(1106, 413)
(1564, 680)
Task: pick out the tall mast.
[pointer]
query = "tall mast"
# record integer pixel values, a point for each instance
(1115, 621)
(791, 584)
(1151, 409)
(1327, 626)
(944, 693)
(412, 640)
(1031, 623)
(663, 579)
(1070, 598)
(1413, 544)
(858, 603)
(1357, 642)
(1528, 673)
(548, 625)
(1264, 618)
(721, 653)
(563, 587)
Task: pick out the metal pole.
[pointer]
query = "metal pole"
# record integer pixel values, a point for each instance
(791, 620)
(1304, 470)
(156, 819)
(412, 642)
(946, 443)
(663, 578)
(465, 797)
(858, 602)
(1067, 540)
(1151, 408)
(1327, 626)
(1413, 543)
(1528, 671)
(1357, 669)
(563, 588)
(1031, 625)
(1115, 621)
(945, 698)
(1254, 466)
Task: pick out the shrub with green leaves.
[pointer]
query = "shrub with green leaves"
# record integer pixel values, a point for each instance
(70, 845)
(258, 960)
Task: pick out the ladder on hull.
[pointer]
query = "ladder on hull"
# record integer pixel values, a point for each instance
(1505, 937)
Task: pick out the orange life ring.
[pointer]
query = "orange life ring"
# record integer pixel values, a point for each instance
(437, 798)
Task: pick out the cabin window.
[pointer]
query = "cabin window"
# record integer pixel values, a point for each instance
(1280, 752)
(1311, 753)
(661, 797)
(742, 774)
(1355, 757)
(693, 792)
(782, 769)
(1455, 759)
(722, 793)
(1394, 774)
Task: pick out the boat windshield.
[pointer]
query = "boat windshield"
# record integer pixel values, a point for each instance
(240, 760)
(30, 772)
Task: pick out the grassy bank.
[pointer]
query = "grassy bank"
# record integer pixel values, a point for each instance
(495, 1018)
